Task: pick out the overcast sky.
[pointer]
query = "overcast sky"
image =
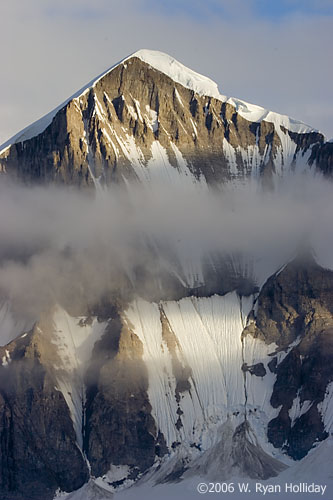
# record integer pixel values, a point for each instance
(276, 53)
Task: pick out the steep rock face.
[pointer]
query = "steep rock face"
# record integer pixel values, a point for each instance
(38, 452)
(119, 427)
(295, 311)
(296, 301)
(322, 156)
(60, 397)
(136, 121)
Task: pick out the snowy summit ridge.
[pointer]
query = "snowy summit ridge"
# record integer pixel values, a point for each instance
(179, 73)
(205, 86)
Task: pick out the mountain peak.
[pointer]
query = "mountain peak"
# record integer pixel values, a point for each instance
(177, 72)
(201, 85)
(158, 60)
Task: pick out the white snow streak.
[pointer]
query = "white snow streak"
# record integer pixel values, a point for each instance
(74, 340)
(326, 408)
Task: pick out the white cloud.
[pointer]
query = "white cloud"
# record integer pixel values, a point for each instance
(63, 245)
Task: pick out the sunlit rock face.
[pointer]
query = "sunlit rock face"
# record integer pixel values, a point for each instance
(150, 117)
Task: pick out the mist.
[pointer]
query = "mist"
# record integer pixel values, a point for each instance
(62, 245)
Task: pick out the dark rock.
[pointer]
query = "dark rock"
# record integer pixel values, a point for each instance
(120, 429)
(272, 365)
(296, 306)
(296, 302)
(322, 157)
(250, 458)
(258, 369)
(38, 449)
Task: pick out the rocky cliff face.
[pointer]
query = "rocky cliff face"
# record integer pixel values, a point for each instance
(294, 310)
(118, 411)
(39, 450)
(136, 116)
(322, 156)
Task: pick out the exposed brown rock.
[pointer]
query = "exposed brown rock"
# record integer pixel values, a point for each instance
(296, 305)
(38, 450)
(119, 426)
(250, 458)
(295, 302)
(182, 373)
(118, 105)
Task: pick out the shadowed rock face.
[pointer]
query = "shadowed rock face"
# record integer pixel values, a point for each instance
(38, 451)
(322, 156)
(131, 107)
(295, 308)
(119, 426)
(295, 302)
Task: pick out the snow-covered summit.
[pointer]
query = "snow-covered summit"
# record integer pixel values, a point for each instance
(179, 74)
(205, 86)
(158, 60)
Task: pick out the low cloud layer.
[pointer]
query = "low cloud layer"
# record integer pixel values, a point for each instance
(59, 245)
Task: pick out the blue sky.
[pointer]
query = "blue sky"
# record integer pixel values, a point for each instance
(272, 10)
(279, 10)
(274, 53)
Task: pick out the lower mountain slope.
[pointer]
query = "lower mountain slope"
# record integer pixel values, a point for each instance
(216, 387)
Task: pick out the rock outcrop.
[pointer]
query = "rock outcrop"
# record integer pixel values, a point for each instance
(295, 311)
(119, 429)
(38, 452)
